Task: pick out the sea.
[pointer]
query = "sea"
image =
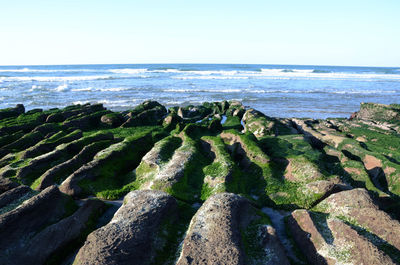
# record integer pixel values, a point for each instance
(276, 90)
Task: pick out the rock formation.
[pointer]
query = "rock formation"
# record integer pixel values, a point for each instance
(217, 183)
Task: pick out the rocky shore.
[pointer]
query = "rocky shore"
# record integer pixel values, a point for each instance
(217, 183)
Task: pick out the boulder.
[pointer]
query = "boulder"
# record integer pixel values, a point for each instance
(131, 236)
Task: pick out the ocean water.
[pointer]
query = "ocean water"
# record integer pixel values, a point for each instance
(276, 90)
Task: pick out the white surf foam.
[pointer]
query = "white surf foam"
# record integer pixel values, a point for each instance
(25, 70)
(58, 78)
(204, 90)
(128, 71)
(114, 89)
(110, 89)
(61, 88)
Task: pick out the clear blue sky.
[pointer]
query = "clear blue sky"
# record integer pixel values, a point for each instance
(340, 32)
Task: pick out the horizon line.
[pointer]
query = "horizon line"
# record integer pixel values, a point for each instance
(76, 64)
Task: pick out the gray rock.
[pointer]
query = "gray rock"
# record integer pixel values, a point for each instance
(214, 235)
(13, 194)
(130, 236)
(57, 236)
(18, 226)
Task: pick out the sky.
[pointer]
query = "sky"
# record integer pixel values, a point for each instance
(340, 32)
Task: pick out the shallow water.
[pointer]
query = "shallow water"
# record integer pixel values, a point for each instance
(276, 90)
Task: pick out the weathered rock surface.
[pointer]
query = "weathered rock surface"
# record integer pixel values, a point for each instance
(214, 234)
(330, 241)
(131, 236)
(13, 194)
(358, 207)
(331, 186)
(19, 225)
(57, 236)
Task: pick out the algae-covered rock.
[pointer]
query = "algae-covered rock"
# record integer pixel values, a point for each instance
(196, 179)
(331, 241)
(379, 112)
(110, 162)
(147, 117)
(12, 112)
(112, 119)
(358, 208)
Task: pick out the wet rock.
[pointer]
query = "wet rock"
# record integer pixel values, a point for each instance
(257, 123)
(75, 111)
(213, 236)
(193, 113)
(146, 105)
(46, 129)
(301, 169)
(33, 111)
(131, 236)
(9, 138)
(241, 143)
(215, 149)
(318, 138)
